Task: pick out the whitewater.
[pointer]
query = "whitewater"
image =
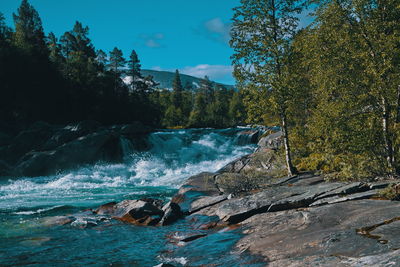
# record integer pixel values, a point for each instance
(26, 204)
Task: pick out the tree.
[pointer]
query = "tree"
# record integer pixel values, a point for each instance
(116, 61)
(198, 114)
(177, 90)
(101, 58)
(55, 50)
(29, 35)
(5, 31)
(261, 35)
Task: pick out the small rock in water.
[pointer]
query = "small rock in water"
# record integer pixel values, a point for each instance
(172, 213)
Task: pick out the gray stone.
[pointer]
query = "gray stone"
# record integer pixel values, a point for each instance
(205, 202)
(272, 141)
(346, 189)
(172, 213)
(337, 199)
(322, 236)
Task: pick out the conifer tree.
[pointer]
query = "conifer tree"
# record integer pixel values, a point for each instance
(29, 35)
(177, 91)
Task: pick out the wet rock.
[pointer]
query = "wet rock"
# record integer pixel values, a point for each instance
(192, 237)
(164, 265)
(319, 235)
(380, 184)
(272, 141)
(248, 137)
(172, 213)
(85, 150)
(137, 212)
(5, 169)
(135, 128)
(57, 220)
(5, 139)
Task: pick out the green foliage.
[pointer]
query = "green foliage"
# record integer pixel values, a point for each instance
(392, 192)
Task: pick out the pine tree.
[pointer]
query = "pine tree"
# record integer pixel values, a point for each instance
(198, 114)
(29, 35)
(177, 91)
(261, 34)
(55, 50)
(116, 61)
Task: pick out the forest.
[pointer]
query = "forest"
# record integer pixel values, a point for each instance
(66, 79)
(333, 86)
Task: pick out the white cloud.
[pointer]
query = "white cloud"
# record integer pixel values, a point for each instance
(153, 40)
(215, 29)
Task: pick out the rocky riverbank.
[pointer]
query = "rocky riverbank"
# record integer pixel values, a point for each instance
(290, 221)
(45, 149)
(297, 221)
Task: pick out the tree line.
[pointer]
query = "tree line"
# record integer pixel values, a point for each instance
(334, 86)
(66, 79)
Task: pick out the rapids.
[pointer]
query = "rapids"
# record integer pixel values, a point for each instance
(26, 204)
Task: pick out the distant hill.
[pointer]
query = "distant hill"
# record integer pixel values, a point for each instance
(165, 78)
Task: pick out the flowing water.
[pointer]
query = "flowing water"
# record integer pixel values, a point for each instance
(30, 208)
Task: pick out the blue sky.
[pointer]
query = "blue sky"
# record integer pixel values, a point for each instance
(189, 35)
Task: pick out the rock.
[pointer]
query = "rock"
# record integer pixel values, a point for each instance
(271, 199)
(235, 183)
(25, 142)
(205, 202)
(102, 146)
(135, 128)
(192, 237)
(272, 141)
(5, 139)
(346, 189)
(172, 213)
(5, 169)
(248, 137)
(164, 265)
(324, 235)
(195, 187)
(137, 212)
(235, 166)
(380, 184)
(337, 199)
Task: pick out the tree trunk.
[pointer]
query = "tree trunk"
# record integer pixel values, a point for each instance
(386, 138)
(290, 169)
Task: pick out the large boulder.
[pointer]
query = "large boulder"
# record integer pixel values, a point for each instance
(101, 146)
(272, 141)
(24, 142)
(137, 212)
(248, 137)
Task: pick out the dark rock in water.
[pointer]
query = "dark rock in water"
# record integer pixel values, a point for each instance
(5, 169)
(192, 237)
(24, 142)
(164, 265)
(71, 132)
(85, 150)
(5, 139)
(248, 137)
(135, 128)
(272, 141)
(340, 234)
(172, 213)
(137, 212)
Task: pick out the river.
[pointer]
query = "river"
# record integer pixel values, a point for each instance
(29, 205)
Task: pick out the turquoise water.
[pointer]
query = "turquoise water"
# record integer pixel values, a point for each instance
(31, 208)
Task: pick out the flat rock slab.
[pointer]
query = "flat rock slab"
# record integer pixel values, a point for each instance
(205, 202)
(337, 199)
(272, 199)
(321, 236)
(346, 189)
